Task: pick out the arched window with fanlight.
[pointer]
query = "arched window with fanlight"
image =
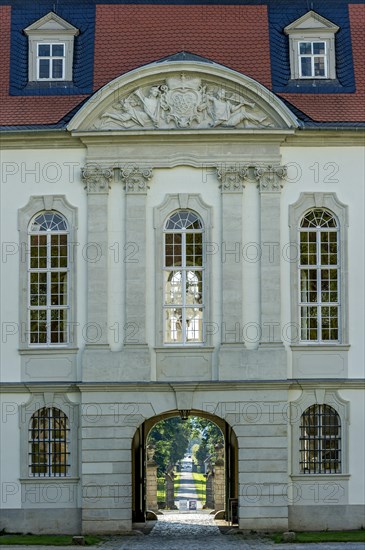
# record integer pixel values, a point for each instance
(319, 274)
(48, 280)
(183, 278)
(320, 440)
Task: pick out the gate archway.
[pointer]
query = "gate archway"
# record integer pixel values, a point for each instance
(139, 460)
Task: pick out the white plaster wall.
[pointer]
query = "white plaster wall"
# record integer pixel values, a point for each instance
(26, 173)
(10, 449)
(339, 170)
(356, 444)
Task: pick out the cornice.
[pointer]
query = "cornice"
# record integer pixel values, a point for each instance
(138, 387)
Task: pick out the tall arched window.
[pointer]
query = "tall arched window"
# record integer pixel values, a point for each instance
(320, 440)
(49, 443)
(183, 279)
(319, 272)
(48, 285)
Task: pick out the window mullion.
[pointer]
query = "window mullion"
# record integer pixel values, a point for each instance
(183, 286)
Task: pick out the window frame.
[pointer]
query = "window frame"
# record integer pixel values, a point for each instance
(50, 441)
(312, 57)
(308, 466)
(184, 270)
(51, 58)
(330, 202)
(319, 269)
(170, 204)
(36, 205)
(48, 271)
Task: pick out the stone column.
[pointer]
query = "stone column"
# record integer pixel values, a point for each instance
(170, 491)
(219, 481)
(97, 178)
(135, 179)
(269, 180)
(232, 178)
(209, 497)
(151, 482)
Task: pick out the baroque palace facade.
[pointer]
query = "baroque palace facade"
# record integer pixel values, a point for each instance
(182, 230)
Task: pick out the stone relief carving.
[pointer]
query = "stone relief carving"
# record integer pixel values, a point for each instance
(269, 177)
(232, 178)
(183, 102)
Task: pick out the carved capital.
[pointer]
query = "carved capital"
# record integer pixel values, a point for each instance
(96, 178)
(232, 177)
(135, 179)
(269, 177)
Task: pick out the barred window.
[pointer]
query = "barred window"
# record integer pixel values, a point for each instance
(319, 273)
(320, 440)
(183, 279)
(49, 443)
(48, 301)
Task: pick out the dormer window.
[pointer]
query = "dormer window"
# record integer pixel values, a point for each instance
(51, 46)
(312, 47)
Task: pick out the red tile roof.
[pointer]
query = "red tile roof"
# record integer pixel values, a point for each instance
(128, 36)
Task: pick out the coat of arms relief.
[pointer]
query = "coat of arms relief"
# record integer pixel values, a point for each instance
(183, 102)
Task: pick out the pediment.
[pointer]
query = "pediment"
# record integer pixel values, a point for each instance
(51, 23)
(311, 21)
(183, 96)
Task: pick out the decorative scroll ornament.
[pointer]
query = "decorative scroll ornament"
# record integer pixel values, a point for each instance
(183, 102)
(96, 178)
(135, 178)
(232, 178)
(269, 177)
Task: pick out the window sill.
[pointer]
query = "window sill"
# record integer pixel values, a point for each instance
(50, 479)
(318, 346)
(44, 351)
(320, 477)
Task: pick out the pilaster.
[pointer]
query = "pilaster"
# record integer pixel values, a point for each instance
(135, 179)
(97, 179)
(269, 182)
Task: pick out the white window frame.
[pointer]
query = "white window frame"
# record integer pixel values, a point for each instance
(48, 271)
(51, 59)
(184, 269)
(319, 268)
(312, 57)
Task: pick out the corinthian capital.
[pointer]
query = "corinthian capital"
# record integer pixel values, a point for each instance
(232, 177)
(269, 177)
(96, 178)
(135, 178)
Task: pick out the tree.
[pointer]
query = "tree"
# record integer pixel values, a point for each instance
(210, 436)
(170, 438)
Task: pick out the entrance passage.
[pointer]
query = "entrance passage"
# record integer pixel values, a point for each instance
(185, 471)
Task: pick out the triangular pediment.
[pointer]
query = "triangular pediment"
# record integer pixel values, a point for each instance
(183, 96)
(51, 23)
(311, 21)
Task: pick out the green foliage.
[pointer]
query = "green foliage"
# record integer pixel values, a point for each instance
(325, 536)
(200, 486)
(171, 439)
(210, 435)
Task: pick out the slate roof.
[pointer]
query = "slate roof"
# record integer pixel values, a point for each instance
(117, 36)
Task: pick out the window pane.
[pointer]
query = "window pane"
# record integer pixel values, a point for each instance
(319, 66)
(173, 287)
(305, 48)
(306, 66)
(194, 287)
(57, 68)
(58, 50)
(173, 325)
(319, 48)
(194, 325)
(43, 68)
(44, 50)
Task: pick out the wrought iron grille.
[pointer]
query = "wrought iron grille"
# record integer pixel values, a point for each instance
(320, 440)
(49, 453)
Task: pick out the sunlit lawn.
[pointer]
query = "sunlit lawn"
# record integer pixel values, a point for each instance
(47, 540)
(326, 536)
(177, 482)
(200, 485)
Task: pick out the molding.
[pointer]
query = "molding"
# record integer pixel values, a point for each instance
(232, 178)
